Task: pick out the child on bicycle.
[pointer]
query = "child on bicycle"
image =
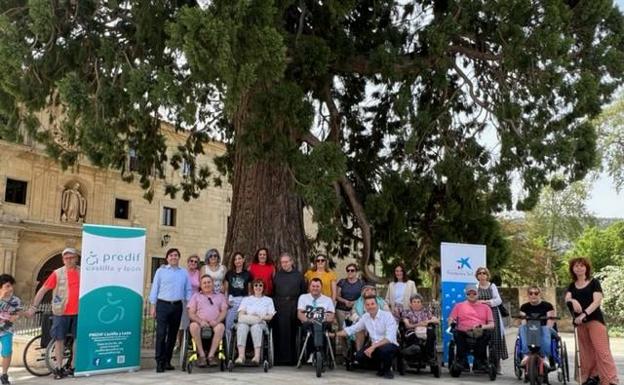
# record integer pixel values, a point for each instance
(10, 308)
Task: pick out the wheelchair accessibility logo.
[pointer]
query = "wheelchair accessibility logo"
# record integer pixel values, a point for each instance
(112, 312)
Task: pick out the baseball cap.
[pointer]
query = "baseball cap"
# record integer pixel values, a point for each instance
(69, 250)
(471, 287)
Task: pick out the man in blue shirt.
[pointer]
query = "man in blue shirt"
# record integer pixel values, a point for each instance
(171, 285)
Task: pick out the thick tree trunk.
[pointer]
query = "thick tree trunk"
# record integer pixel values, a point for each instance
(265, 211)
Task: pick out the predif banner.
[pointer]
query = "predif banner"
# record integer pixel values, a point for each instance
(111, 302)
(459, 261)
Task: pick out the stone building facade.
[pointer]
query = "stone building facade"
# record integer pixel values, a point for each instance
(42, 208)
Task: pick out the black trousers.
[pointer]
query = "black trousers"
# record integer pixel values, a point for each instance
(284, 331)
(477, 345)
(167, 324)
(427, 344)
(382, 357)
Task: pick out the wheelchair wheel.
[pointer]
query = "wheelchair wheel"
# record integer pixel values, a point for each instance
(533, 370)
(298, 343)
(565, 366)
(454, 368)
(318, 363)
(435, 370)
(517, 357)
(271, 349)
(189, 367)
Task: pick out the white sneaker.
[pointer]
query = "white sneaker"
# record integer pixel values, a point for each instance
(311, 358)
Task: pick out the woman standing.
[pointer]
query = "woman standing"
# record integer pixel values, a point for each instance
(399, 292)
(488, 294)
(348, 290)
(236, 287)
(253, 314)
(583, 297)
(192, 268)
(215, 269)
(289, 285)
(322, 271)
(262, 268)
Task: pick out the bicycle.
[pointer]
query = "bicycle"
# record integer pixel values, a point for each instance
(39, 354)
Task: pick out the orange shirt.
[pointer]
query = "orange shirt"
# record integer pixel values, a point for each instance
(73, 287)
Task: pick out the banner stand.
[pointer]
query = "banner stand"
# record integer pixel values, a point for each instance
(458, 262)
(110, 307)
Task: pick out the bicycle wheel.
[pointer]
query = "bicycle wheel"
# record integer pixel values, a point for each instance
(318, 363)
(50, 357)
(34, 358)
(533, 370)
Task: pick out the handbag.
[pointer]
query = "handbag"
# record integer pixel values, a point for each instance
(206, 332)
(249, 319)
(503, 310)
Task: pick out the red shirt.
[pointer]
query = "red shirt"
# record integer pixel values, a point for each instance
(73, 287)
(265, 273)
(469, 315)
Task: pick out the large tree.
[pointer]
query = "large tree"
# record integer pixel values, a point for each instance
(371, 112)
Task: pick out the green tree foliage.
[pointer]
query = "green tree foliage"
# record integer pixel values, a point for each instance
(611, 278)
(610, 125)
(376, 108)
(604, 247)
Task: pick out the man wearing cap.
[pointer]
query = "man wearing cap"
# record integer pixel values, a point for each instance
(471, 318)
(65, 284)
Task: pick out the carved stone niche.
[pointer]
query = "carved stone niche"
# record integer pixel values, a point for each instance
(73, 203)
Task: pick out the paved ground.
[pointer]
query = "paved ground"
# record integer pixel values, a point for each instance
(305, 375)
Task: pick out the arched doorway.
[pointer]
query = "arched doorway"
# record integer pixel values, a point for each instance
(51, 264)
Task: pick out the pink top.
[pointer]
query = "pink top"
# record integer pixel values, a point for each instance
(265, 273)
(194, 278)
(208, 306)
(468, 315)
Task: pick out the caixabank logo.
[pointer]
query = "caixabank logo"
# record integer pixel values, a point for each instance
(461, 268)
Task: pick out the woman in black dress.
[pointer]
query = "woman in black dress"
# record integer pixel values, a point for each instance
(288, 285)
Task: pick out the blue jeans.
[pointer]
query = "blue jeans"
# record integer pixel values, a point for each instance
(546, 335)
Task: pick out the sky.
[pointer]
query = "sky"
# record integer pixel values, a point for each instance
(604, 200)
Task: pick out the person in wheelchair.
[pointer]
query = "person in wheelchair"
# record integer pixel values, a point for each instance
(382, 330)
(419, 331)
(359, 309)
(536, 307)
(472, 321)
(207, 311)
(314, 307)
(253, 314)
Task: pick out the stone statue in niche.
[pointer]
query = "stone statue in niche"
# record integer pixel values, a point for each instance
(73, 205)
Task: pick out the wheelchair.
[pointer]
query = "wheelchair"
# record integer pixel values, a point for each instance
(351, 363)
(266, 352)
(190, 355)
(456, 368)
(414, 357)
(558, 359)
(323, 355)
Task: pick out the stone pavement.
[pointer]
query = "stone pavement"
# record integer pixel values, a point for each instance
(305, 375)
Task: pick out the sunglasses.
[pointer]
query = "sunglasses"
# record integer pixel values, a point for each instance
(320, 260)
(258, 285)
(213, 256)
(193, 261)
(534, 293)
(351, 270)
(482, 273)
(471, 293)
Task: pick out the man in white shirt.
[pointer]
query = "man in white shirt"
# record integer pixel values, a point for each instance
(382, 329)
(315, 306)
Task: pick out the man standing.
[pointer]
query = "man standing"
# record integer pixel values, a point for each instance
(472, 319)
(65, 285)
(171, 285)
(382, 329)
(288, 285)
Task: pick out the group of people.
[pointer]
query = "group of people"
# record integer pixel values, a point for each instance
(210, 300)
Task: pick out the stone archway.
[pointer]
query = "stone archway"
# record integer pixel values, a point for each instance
(48, 267)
